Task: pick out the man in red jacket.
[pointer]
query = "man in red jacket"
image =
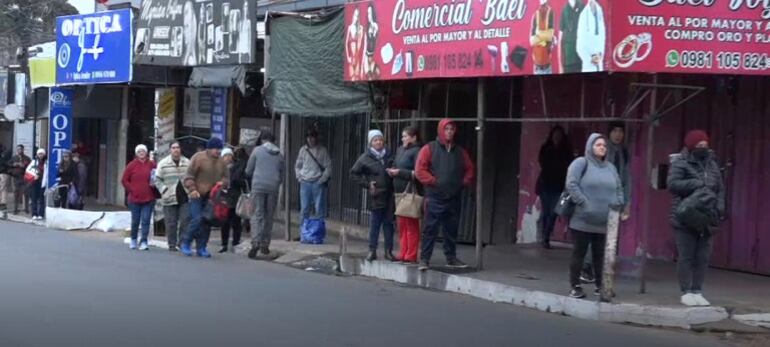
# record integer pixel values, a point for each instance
(444, 168)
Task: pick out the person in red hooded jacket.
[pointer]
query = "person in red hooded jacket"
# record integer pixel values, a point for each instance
(444, 169)
(137, 180)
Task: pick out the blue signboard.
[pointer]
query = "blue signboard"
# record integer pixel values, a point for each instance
(94, 48)
(219, 113)
(59, 130)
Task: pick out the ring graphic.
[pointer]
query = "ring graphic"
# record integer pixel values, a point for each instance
(64, 55)
(634, 48)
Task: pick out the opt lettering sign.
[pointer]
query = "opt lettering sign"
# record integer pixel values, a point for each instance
(94, 48)
(60, 130)
(219, 113)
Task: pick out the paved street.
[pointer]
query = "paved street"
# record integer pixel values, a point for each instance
(84, 289)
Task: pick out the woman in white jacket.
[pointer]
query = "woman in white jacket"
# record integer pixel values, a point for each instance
(591, 37)
(39, 171)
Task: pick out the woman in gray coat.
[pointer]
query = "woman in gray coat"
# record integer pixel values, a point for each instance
(594, 186)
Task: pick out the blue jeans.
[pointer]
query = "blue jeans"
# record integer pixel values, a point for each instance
(37, 195)
(312, 193)
(198, 229)
(381, 218)
(548, 218)
(141, 213)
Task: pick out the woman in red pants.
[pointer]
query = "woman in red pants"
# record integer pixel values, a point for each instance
(403, 175)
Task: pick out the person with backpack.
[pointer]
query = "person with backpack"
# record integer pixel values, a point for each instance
(698, 206)
(236, 164)
(265, 167)
(207, 170)
(137, 180)
(594, 187)
(36, 176)
(313, 169)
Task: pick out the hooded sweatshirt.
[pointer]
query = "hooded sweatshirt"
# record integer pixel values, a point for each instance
(265, 168)
(443, 167)
(594, 193)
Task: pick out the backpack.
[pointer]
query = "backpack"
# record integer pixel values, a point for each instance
(217, 210)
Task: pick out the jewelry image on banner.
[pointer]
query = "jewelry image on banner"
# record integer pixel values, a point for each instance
(632, 49)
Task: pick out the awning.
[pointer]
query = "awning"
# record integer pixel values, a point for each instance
(219, 76)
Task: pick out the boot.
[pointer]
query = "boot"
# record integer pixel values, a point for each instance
(389, 255)
(372, 256)
(253, 251)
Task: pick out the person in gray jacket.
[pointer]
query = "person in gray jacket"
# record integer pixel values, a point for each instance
(313, 169)
(698, 205)
(594, 186)
(265, 167)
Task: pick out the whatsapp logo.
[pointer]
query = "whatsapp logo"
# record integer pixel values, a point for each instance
(672, 58)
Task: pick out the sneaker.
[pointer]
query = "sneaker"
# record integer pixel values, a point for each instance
(186, 249)
(577, 292)
(456, 264)
(132, 245)
(689, 300)
(587, 278)
(143, 246)
(700, 300)
(203, 253)
(424, 265)
(598, 292)
(253, 252)
(172, 249)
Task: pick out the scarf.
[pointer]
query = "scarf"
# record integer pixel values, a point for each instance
(380, 155)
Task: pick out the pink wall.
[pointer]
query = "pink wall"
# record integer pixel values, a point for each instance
(740, 132)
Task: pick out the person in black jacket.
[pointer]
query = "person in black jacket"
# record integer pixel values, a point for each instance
(68, 177)
(370, 173)
(236, 163)
(403, 177)
(698, 205)
(555, 156)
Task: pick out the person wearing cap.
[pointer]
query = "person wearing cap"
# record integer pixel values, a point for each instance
(370, 172)
(206, 170)
(265, 167)
(698, 206)
(444, 168)
(168, 181)
(39, 171)
(137, 180)
(313, 170)
(68, 177)
(236, 165)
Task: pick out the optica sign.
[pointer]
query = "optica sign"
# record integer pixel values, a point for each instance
(59, 130)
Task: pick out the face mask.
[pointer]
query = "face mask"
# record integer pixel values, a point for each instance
(700, 153)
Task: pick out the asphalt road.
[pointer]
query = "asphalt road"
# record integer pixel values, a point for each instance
(68, 289)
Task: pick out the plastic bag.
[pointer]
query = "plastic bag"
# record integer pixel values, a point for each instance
(313, 231)
(73, 198)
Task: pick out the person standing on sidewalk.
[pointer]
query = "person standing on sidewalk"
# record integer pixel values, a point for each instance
(68, 176)
(554, 158)
(265, 167)
(19, 164)
(403, 176)
(137, 180)
(313, 169)
(39, 184)
(81, 184)
(594, 186)
(444, 168)
(206, 170)
(369, 171)
(168, 180)
(236, 164)
(698, 206)
(5, 177)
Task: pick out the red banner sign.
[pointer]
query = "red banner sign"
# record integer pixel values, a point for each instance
(399, 39)
(691, 36)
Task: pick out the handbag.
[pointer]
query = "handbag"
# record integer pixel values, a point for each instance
(245, 207)
(409, 204)
(565, 207)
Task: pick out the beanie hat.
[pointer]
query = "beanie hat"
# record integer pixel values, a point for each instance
(227, 151)
(140, 148)
(215, 143)
(40, 151)
(694, 137)
(373, 134)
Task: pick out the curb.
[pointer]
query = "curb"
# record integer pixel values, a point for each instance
(646, 315)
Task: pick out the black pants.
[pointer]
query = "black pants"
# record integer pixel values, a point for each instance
(63, 192)
(234, 222)
(694, 251)
(582, 241)
(441, 213)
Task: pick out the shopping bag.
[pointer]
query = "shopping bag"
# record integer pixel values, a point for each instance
(313, 231)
